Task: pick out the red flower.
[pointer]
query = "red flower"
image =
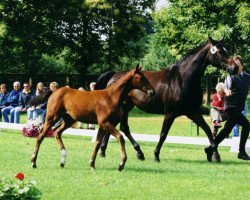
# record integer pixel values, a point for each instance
(20, 176)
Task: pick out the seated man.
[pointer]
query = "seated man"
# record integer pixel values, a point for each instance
(11, 101)
(217, 111)
(24, 98)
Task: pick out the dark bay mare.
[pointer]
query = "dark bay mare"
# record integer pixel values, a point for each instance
(96, 107)
(177, 92)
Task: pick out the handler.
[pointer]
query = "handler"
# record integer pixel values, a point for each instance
(236, 89)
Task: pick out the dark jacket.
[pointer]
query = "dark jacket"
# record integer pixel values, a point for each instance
(12, 99)
(24, 98)
(239, 89)
(3, 98)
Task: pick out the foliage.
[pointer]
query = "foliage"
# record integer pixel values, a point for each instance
(184, 24)
(18, 189)
(90, 33)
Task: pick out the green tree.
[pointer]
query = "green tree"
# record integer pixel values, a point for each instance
(85, 34)
(184, 24)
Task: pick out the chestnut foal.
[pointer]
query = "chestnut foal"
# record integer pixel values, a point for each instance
(97, 107)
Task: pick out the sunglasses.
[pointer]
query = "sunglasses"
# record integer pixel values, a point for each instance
(25, 86)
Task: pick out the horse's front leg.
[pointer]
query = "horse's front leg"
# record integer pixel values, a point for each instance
(167, 123)
(99, 138)
(124, 127)
(199, 120)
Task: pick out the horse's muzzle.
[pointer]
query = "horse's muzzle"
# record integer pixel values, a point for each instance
(151, 93)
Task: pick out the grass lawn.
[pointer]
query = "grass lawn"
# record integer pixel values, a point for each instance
(183, 172)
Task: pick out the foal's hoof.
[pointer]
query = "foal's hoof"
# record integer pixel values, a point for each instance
(216, 156)
(62, 165)
(140, 156)
(34, 165)
(120, 167)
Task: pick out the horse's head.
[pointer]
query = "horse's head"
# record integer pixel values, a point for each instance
(219, 57)
(139, 81)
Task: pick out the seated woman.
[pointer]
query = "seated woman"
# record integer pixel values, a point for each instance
(217, 110)
(34, 112)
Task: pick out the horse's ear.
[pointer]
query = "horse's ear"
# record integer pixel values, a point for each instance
(222, 39)
(211, 40)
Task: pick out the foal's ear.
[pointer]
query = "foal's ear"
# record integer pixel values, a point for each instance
(138, 67)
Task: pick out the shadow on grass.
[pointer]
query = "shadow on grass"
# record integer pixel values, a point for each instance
(225, 163)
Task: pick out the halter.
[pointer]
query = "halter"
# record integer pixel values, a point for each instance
(214, 51)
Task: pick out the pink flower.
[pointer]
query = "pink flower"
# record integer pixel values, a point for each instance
(20, 176)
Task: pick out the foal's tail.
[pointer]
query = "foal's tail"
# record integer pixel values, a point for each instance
(41, 98)
(102, 81)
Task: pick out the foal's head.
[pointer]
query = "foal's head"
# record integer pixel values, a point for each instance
(219, 56)
(139, 81)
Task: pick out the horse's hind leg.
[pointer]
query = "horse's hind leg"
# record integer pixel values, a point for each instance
(48, 124)
(167, 123)
(199, 120)
(108, 127)
(104, 144)
(99, 138)
(66, 123)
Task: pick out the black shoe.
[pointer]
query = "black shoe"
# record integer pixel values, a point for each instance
(243, 156)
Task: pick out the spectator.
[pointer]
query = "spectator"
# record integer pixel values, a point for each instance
(25, 96)
(11, 101)
(53, 86)
(3, 97)
(217, 111)
(80, 124)
(92, 88)
(34, 112)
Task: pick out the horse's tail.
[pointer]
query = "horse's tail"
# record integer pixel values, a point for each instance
(41, 98)
(102, 81)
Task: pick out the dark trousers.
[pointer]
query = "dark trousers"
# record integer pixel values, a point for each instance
(234, 117)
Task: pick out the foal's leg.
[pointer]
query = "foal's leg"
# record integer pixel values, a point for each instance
(167, 123)
(99, 138)
(108, 127)
(199, 120)
(48, 124)
(66, 123)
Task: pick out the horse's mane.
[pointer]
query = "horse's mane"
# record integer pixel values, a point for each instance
(190, 53)
(118, 76)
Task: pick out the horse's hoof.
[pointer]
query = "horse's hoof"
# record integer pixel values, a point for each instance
(140, 156)
(216, 156)
(92, 168)
(157, 157)
(62, 165)
(120, 167)
(209, 152)
(103, 154)
(34, 165)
